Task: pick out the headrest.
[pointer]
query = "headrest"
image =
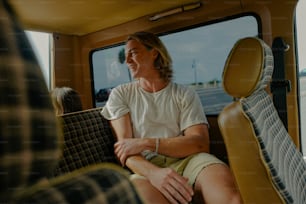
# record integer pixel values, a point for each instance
(29, 133)
(248, 68)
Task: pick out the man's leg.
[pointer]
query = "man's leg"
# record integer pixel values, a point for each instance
(148, 192)
(217, 185)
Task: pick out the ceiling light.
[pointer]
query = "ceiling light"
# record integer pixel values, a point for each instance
(186, 7)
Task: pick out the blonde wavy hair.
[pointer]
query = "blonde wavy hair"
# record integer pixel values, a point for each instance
(163, 62)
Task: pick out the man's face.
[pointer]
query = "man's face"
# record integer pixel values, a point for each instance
(139, 59)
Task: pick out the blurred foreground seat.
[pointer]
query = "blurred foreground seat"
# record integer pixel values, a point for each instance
(30, 137)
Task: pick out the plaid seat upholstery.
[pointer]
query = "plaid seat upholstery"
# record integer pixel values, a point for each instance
(30, 136)
(28, 129)
(283, 161)
(96, 184)
(88, 140)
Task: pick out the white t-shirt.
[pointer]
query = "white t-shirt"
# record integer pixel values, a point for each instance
(162, 114)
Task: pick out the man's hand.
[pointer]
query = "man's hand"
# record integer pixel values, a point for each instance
(128, 147)
(172, 185)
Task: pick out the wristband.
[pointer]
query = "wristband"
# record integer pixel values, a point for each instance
(156, 145)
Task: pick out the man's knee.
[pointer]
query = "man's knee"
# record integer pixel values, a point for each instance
(217, 185)
(147, 191)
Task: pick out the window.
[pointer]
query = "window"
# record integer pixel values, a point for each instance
(109, 70)
(41, 45)
(301, 46)
(198, 60)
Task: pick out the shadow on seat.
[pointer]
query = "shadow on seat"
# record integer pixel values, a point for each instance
(266, 164)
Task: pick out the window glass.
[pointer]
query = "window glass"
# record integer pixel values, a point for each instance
(41, 46)
(301, 46)
(198, 55)
(109, 70)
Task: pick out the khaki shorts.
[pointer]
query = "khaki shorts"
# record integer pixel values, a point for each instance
(189, 167)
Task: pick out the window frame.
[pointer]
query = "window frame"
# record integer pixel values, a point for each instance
(161, 34)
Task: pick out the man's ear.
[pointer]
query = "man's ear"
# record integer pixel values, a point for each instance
(155, 53)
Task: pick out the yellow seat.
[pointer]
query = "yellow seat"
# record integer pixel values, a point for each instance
(267, 166)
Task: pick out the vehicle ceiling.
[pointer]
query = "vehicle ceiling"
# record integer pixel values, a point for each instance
(80, 17)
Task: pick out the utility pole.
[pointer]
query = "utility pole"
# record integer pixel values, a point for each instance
(194, 67)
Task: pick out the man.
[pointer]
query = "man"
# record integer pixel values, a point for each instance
(162, 131)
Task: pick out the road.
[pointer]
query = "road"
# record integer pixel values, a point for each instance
(213, 99)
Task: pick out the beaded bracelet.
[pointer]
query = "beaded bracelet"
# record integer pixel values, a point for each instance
(156, 145)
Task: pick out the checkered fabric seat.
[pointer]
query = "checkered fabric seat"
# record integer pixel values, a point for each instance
(266, 163)
(88, 139)
(283, 160)
(30, 137)
(96, 184)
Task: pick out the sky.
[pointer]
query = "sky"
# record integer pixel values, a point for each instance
(41, 44)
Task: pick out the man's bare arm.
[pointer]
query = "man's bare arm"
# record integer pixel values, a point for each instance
(194, 140)
(172, 185)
